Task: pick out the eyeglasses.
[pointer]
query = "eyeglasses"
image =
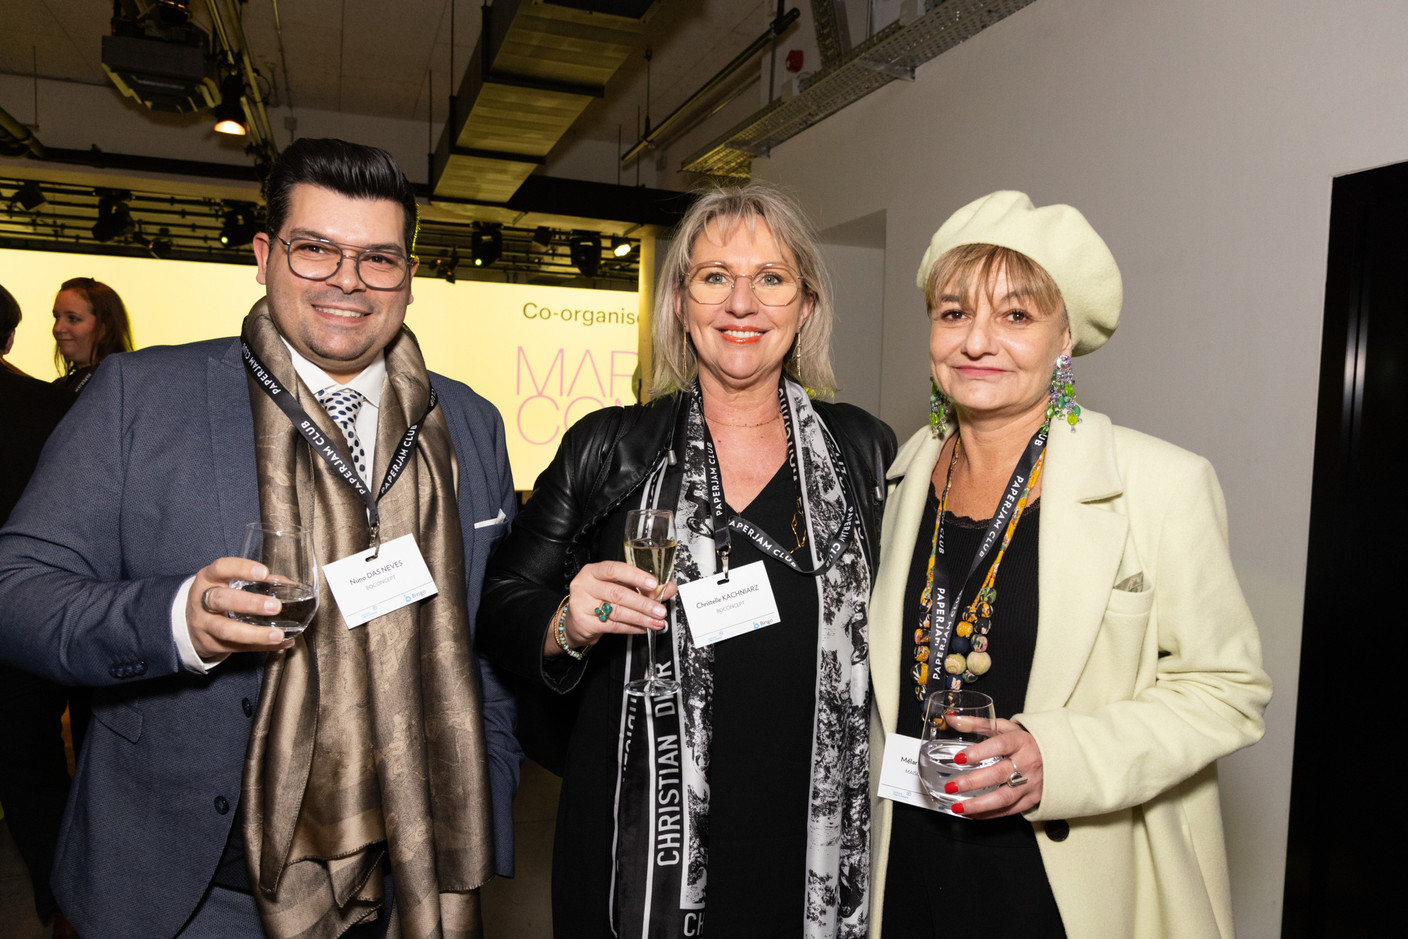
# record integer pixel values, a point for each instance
(772, 284)
(315, 259)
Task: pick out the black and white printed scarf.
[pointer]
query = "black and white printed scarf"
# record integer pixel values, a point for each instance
(662, 794)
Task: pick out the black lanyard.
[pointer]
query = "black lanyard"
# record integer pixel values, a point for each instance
(724, 524)
(328, 450)
(942, 608)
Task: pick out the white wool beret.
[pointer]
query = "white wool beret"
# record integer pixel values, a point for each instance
(1055, 236)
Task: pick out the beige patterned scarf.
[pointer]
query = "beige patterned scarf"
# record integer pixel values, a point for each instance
(367, 752)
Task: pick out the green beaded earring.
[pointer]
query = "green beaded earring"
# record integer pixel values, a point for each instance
(1063, 394)
(938, 410)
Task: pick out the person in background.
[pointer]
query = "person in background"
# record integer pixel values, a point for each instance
(371, 769)
(90, 324)
(1113, 638)
(34, 776)
(751, 813)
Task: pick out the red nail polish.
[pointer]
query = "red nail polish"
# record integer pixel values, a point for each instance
(950, 787)
(958, 808)
(962, 758)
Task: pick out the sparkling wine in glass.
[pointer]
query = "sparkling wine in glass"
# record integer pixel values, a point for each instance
(650, 546)
(287, 551)
(953, 722)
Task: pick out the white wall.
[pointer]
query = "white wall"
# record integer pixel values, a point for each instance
(1201, 138)
(857, 333)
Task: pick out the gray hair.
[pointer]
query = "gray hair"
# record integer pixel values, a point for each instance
(730, 206)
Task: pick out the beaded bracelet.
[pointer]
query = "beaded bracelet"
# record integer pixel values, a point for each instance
(560, 631)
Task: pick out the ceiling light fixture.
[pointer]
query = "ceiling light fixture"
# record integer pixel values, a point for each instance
(542, 236)
(586, 253)
(114, 216)
(229, 113)
(29, 196)
(238, 225)
(445, 267)
(160, 246)
(488, 246)
(620, 247)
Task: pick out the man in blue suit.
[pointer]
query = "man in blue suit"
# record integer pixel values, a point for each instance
(370, 765)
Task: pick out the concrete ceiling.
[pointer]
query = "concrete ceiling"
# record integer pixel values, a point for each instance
(384, 73)
(393, 60)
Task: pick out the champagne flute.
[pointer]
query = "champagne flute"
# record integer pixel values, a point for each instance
(287, 551)
(650, 546)
(953, 722)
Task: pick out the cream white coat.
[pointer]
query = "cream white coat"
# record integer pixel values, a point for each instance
(1133, 695)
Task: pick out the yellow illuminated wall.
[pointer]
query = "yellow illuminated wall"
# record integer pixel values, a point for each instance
(543, 355)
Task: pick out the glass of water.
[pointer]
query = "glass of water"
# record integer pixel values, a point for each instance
(953, 722)
(287, 551)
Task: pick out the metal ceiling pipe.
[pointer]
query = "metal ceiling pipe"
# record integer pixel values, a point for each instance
(779, 25)
(924, 30)
(16, 139)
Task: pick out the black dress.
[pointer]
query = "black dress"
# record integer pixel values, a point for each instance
(764, 707)
(998, 885)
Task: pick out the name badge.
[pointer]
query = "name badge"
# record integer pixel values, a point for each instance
(365, 589)
(716, 611)
(899, 774)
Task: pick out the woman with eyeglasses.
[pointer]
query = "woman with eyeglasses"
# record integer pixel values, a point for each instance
(738, 803)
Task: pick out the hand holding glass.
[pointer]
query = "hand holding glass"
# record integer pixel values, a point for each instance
(650, 546)
(953, 722)
(293, 576)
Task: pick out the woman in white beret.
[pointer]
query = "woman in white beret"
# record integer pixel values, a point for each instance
(1080, 579)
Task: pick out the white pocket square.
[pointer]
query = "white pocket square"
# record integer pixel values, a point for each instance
(496, 520)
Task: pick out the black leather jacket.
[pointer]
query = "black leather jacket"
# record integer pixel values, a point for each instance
(603, 459)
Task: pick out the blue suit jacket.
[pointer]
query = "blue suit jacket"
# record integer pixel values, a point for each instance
(149, 478)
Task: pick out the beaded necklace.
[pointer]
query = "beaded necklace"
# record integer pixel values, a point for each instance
(968, 657)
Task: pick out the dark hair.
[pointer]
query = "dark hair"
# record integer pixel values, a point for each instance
(10, 314)
(114, 330)
(349, 169)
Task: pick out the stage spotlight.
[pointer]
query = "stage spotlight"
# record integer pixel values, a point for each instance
(114, 217)
(238, 225)
(542, 237)
(445, 267)
(586, 253)
(229, 113)
(488, 246)
(29, 196)
(620, 247)
(160, 246)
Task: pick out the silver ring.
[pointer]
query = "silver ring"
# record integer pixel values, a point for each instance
(1016, 779)
(205, 601)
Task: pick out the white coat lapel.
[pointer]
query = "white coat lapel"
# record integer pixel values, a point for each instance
(890, 626)
(1079, 551)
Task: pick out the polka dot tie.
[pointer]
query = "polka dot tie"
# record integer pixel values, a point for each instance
(342, 404)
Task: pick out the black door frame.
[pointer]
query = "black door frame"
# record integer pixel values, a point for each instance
(1345, 797)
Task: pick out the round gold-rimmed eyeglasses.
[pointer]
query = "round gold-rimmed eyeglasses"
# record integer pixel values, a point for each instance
(772, 284)
(378, 268)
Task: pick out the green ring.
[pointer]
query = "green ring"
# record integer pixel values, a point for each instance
(603, 611)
